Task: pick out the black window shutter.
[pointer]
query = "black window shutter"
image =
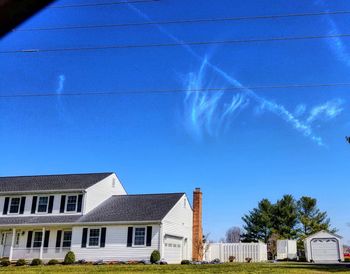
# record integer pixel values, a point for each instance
(23, 203)
(51, 199)
(80, 201)
(29, 239)
(63, 203)
(149, 236)
(46, 238)
(103, 237)
(35, 198)
(6, 205)
(129, 243)
(84, 237)
(58, 238)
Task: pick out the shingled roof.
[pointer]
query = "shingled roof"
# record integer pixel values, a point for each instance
(118, 208)
(143, 207)
(50, 182)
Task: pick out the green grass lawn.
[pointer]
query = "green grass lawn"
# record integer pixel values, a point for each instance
(223, 268)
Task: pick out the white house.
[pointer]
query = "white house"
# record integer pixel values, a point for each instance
(93, 216)
(323, 247)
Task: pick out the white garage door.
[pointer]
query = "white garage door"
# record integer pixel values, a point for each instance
(172, 249)
(324, 249)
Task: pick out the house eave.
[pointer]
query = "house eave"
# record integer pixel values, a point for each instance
(158, 222)
(42, 191)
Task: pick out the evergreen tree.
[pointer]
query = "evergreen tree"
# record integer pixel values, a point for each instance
(311, 218)
(258, 223)
(285, 218)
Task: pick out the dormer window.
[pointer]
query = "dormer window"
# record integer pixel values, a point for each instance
(71, 203)
(42, 204)
(14, 205)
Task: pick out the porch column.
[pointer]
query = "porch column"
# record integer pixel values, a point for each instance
(42, 244)
(12, 243)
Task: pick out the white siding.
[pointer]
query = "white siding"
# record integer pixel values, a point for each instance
(101, 191)
(178, 223)
(115, 249)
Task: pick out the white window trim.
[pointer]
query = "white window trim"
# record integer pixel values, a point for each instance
(99, 238)
(133, 236)
(63, 231)
(76, 204)
(42, 239)
(47, 206)
(19, 205)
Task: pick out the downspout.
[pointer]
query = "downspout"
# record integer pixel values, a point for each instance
(160, 242)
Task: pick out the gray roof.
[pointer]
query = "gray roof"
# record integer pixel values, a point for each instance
(50, 182)
(125, 208)
(117, 208)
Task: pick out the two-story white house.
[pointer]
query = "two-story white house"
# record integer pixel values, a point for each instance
(93, 216)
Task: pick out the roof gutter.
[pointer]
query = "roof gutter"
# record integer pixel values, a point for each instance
(82, 223)
(42, 191)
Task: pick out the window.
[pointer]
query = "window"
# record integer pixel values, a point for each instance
(42, 204)
(38, 237)
(71, 203)
(14, 205)
(94, 237)
(139, 236)
(67, 238)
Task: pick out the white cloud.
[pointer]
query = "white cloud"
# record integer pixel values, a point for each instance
(326, 111)
(299, 110)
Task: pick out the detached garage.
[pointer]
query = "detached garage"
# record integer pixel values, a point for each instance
(323, 247)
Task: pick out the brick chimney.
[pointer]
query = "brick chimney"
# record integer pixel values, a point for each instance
(197, 232)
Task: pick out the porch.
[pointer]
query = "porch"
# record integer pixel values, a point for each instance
(29, 243)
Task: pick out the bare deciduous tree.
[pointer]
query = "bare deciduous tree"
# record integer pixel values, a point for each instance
(233, 235)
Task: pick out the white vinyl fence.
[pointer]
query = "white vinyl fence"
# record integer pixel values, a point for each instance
(256, 251)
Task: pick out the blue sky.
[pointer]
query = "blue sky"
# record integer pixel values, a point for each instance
(239, 147)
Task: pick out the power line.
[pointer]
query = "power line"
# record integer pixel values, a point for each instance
(186, 21)
(100, 4)
(170, 91)
(193, 43)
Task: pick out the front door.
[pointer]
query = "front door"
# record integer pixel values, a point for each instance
(7, 244)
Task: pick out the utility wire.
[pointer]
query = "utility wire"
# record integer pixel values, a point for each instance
(185, 21)
(193, 43)
(100, 4)
(169, 91)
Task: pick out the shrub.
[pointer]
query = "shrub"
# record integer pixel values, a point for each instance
(69, 258)
(347, 260)
(185, 262)
(21, 262)
(5, 262)
(36, 261)
(155, 256)
(248, 260)
(231, 259)
(53, 262)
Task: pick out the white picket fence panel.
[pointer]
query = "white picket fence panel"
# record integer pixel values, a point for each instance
(256, 251)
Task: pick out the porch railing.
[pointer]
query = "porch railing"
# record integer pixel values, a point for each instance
(47, 254)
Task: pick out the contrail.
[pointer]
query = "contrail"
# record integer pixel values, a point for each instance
(277, 109)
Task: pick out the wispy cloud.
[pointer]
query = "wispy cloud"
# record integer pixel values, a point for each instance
(205, 110)
(299, 110)
(326, 111)
(60, 86)
(207, 113)
(61, 79)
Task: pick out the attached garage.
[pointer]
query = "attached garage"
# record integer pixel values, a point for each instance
(173, 247)
(323, 247)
